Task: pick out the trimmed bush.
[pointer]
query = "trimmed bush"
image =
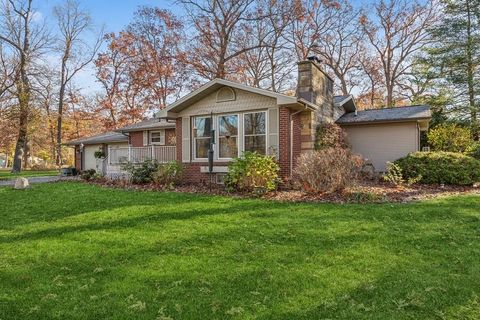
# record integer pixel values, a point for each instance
(450, 138)
(440, 167)
(252, 172)
(327, 170)
(142, 173)
(168, 174)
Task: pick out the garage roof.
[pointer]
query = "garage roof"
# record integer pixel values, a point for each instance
(409, 113)
(106, 137)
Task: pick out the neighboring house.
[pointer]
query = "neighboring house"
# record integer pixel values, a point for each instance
(251, 119)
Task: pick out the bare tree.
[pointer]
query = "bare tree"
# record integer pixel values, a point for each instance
(26, 41)
(217, 42)
(269, 66)
(340, 47)
(311, 19)
(396, 31)
(73, 24)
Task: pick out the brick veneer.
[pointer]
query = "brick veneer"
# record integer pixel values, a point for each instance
(136, 138)
(284, 142)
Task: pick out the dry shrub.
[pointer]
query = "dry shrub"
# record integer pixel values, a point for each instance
(331, 135)
(327, 170)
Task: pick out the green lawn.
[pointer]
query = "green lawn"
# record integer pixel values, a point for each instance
(76, 251)
(6, 175)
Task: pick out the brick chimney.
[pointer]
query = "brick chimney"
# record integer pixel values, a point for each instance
(314, 85)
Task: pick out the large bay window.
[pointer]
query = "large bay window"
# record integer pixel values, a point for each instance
(201, 136)
(255, 132)
(234, 133)
(227, 136)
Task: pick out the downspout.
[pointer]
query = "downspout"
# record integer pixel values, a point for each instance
(291, 137)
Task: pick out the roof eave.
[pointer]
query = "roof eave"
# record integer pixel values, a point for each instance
(383, 121)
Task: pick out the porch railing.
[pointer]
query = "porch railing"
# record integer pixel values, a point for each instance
(118, 156)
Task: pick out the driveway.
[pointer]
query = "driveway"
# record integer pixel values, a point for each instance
(36, 180)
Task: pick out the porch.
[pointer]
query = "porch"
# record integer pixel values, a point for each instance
(116, 157)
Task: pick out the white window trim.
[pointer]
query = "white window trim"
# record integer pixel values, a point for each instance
(162, 134)
(254, 135)
(194, 139)
(217, 135)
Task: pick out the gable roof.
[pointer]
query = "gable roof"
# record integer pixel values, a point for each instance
(395, 114)
(213, 86)
(149, 124)
(105, 137)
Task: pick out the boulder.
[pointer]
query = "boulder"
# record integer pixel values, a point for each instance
(21, 184)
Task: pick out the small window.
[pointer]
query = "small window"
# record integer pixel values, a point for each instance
(157, 137)
(255, 132)
(202, 127)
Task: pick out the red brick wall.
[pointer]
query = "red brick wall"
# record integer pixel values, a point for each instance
(136, 139)
(284, 142)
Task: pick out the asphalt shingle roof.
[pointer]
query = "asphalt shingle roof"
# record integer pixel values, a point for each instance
(387, 114)
(105, 137)
(147, 124)
(338, 99)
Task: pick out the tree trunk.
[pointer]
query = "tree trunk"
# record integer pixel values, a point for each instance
(23, 95)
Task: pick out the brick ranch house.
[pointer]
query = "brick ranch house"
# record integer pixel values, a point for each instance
(251, 119)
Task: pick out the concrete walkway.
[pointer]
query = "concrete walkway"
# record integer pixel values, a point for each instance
(37, 180)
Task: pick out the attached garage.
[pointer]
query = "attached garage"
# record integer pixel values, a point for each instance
(384, 135)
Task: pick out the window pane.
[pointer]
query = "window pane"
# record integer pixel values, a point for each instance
(255, 123)
(203, 127)
(227, 147)
(228, 125)
(202, 146)
(255, 143)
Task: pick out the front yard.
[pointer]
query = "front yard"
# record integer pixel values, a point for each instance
(77, 251)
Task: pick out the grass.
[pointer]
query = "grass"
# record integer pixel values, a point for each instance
(76, 251)
(7, 175)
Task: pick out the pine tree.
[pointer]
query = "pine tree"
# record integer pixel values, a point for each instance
(456, 57)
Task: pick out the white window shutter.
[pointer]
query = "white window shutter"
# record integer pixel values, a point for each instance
(186, 139)
(145, 138)
(273, 132)
(162, 137)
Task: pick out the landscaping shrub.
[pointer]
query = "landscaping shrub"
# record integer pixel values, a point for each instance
(440, 167)
(327, 170)
(142, 173)
(474, 150)
(168, 174)
(330, 135)
(252, 172)
(394, 175)
(450, 138)
(89, 175)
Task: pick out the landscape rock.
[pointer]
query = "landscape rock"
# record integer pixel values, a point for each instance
(21, 184)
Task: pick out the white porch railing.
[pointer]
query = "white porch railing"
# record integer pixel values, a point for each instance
(117, 156)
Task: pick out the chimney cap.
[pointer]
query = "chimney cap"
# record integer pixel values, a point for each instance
(314, 59)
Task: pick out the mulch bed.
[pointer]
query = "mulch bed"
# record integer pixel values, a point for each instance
(363, 192)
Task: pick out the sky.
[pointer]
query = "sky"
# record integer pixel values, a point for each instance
(112, 15)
